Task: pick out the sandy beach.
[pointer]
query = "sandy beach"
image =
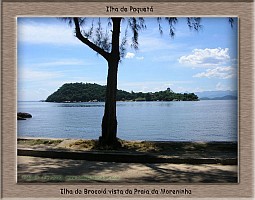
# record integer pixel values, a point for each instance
(49, 169)
(35, 169)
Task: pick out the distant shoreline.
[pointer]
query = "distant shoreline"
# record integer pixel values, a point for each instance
(213, 99)
(156, 141)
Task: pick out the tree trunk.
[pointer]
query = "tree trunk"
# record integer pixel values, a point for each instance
(109, 122)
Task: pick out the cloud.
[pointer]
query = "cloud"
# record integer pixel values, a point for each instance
(140, 58)
(34, 75)
(130, 55)
(152, 44)
(213, 58)
(218, 72)
(206, 57)
(42, 33)
(222, 87)
(61, 62)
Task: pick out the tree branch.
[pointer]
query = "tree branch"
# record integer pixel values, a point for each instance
(87, 42)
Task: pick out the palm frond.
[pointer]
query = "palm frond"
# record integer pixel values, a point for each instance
(172, 21)
(231, 21)
(68, 20)
(136, 25)
(159, 19)
(194, 23)
(123, 44)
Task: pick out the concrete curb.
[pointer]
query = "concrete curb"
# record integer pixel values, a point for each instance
(123, 157)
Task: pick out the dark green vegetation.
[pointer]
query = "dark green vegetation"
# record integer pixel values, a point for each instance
(84, 92)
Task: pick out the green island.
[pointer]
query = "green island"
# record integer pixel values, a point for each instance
(88, 92)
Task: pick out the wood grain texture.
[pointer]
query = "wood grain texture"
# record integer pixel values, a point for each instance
(11, 10)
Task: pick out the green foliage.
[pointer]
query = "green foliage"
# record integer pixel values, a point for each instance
(85, 92)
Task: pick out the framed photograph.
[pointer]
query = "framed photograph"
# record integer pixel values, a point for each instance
(127, 99)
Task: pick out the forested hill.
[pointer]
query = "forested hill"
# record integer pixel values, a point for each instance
(85, 92)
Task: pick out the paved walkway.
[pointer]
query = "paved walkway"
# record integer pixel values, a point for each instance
(37, 169)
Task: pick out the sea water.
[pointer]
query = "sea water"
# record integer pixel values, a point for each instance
(208, 120)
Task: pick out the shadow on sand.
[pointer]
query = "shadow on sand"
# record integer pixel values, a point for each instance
(40, 170)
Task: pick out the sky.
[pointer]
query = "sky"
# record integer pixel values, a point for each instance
(49, 55)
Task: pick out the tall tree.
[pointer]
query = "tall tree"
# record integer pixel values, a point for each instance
(112, 49)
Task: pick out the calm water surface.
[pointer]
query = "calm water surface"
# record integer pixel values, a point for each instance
(159, 121)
